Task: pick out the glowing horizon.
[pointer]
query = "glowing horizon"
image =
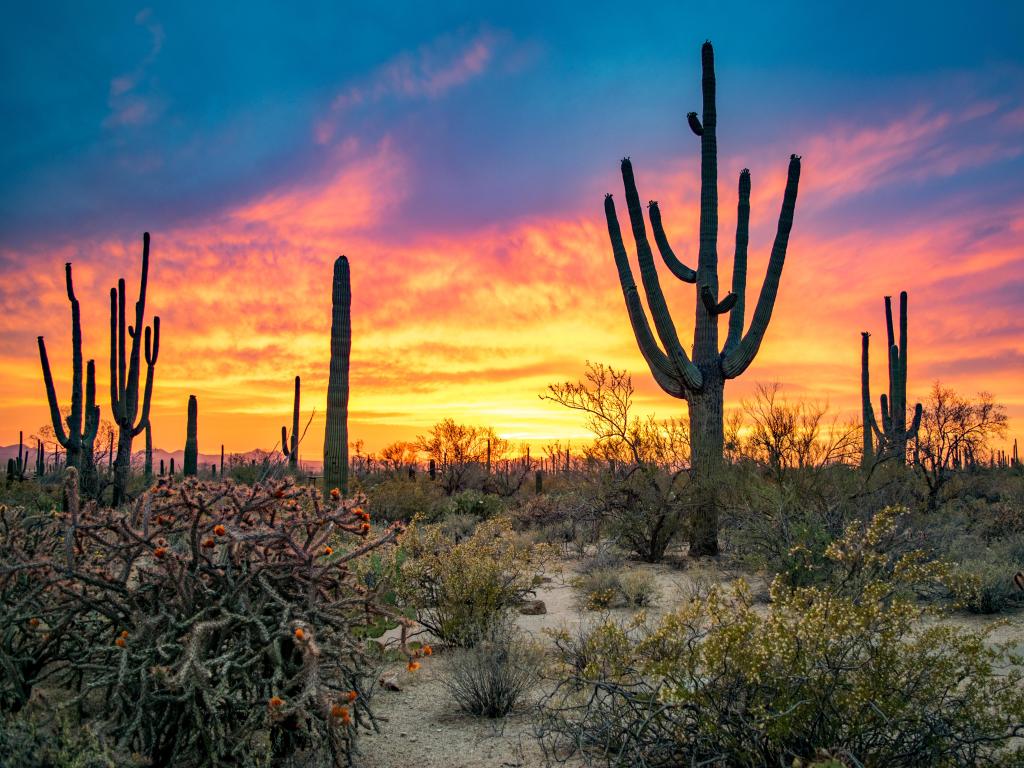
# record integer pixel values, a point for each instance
(481, 274)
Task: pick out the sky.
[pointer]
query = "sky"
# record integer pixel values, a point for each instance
(459, 157)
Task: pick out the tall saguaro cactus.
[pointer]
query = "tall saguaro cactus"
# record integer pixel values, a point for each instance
(701, 381)
(125, 369)
(191, 460)
(82, 423)
(894, 435)
(291, 451)
(149, 451)
(336, 435)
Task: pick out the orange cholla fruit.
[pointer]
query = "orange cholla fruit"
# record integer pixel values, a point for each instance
(33, 622)
(124, 633)
(364, 529)
(208, 544)
(341, 713)
(328, 551)
(412, 666)
(427, 650)
(159, 552)
(219, 529)
(335, 493)
(276, 701)
(299, 634)
(352, 696)
(119, 642)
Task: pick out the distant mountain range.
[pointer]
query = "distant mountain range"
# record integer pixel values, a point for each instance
(205, 459)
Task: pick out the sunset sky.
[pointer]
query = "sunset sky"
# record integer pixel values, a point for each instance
(459, 158)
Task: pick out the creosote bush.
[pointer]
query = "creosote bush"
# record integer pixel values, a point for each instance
(461, 587)
(211, 617)
(843, 669)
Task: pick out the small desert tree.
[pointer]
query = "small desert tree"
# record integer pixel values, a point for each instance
(953, 426)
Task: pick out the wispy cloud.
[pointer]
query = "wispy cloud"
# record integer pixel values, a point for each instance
(130, 102)
(429, 72)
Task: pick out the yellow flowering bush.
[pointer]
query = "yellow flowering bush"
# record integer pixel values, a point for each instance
(460, 587)
(844, 669)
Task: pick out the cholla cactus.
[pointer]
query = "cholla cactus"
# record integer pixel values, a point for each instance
(210, 613)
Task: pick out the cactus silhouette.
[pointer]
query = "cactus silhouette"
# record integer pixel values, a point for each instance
(336, 435)
(701, 382)
(291, 450)
(191, 460)
(891, 440)
(83, 422)
(125, 369)
(149, 451)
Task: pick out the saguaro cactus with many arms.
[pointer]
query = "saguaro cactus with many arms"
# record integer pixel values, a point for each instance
(191, 459)
(82, 424)
(125, 372)
(701, 382)
(894, 435)
(291, 450)
(336, 436)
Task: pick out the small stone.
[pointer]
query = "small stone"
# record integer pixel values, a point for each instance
(533, 608)
(390, 683)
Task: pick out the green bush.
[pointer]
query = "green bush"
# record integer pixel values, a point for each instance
(460, 588)
(33, 739)
(843, 668)
(472, 502)
(398, 498)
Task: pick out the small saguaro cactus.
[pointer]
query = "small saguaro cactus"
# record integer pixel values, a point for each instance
(336, 434)
(82, 423)
(191, 460)
(701, 382)
(130, 414)
(291, 449)
(40, 459)
(891, 440)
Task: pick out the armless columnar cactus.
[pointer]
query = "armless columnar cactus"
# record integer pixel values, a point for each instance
(894, 435)
(701, 382)
(291, 451)
(149, 450)
(82, 423)
(191, 460)
(125, 372)
(336, 436)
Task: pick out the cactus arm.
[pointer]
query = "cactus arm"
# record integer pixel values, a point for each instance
(916, 423)
(75, 417)
(122, 366)
(713, 308)
(92, 411)
(886, 416)
(284, 441)
(294, 447)
(663, 324)
(659, 363)
(152, 352)
(892, 341)
(51, 395)
(902, 361)
(676, 267)
(694, 122)
(115, 399)
(736, 361)
(739, 264)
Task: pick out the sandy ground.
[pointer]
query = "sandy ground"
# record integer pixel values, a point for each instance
(424, 728)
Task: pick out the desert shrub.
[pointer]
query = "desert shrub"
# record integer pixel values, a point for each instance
(397, 498)
(602, 588)
(645, 508)
(639, 589)
(844, 668)
(212, 615)
(982, 581)
(491, 677)
(598, 589)
(459, 527)
(459, 588)
(474, 503)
